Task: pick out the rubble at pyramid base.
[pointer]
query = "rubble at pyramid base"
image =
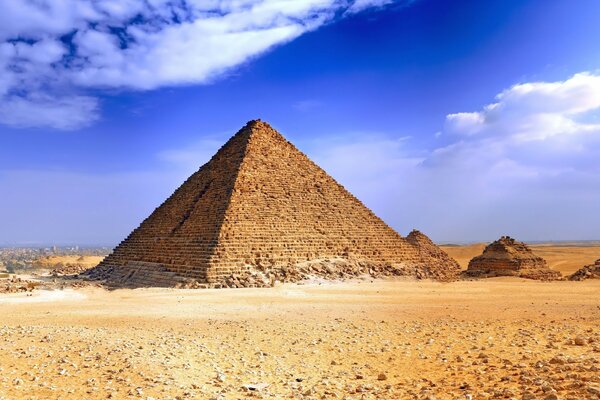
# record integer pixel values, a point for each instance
(588, 272)
(147, 274)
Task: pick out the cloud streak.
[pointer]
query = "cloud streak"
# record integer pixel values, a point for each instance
(59, 49)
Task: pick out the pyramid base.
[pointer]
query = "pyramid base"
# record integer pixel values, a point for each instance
(136, 274)
(147, 274)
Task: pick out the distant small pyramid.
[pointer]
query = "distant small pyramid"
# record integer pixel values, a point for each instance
(509, 257)
(260, 206)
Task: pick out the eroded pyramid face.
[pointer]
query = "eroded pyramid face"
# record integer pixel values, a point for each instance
(262, 205)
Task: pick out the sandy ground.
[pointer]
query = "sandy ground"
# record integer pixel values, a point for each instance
(51, 261)
(498, 338)
(495, 338)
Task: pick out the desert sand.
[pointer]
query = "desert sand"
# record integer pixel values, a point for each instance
(489, 338)
(52, 261)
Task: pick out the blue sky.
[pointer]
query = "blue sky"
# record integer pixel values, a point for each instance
(466, 119)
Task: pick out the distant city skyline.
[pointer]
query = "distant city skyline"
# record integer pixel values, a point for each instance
(467, 120)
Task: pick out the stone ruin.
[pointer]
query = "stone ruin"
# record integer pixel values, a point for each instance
(508, 257)
(591, 271)
(261, 211)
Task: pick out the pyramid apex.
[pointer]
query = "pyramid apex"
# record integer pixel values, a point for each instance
(257, 124)
(258, 128)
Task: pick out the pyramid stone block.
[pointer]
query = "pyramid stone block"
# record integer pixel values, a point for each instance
(260, 206)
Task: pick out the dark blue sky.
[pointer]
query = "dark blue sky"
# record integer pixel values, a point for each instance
(387, 75)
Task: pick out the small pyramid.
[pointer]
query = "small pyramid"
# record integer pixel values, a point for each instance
(261, 207)
(509, 257)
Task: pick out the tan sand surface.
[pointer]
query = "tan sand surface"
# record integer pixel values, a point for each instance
(494, 338)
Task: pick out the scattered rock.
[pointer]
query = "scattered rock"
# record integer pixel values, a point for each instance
(580, 340)
(256, 387)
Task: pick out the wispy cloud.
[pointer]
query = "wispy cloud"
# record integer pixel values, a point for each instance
(69, 46)
(360, 5)
(37, 109)
(306, 105)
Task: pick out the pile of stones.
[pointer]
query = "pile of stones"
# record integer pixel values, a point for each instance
(68, 269)
(337, 268)
(17, 285)
(591, 271)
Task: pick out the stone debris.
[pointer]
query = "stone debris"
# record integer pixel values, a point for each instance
(256, 386)
(508, 257)
(339, 269)
(256, 213)
(14, 284)
(591, 271)
(69, 269)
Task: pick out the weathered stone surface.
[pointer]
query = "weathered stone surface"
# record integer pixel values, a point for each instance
(591, 271)
(508, 257)
(254, 214)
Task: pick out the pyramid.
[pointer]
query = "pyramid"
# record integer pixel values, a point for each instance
(262, 208)
(509, 257)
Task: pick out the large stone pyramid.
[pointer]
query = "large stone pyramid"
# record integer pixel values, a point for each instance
(262, 208)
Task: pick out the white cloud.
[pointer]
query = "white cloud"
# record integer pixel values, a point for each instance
(360, 5)
(534, 111)
(47, 45)
(527, 166)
